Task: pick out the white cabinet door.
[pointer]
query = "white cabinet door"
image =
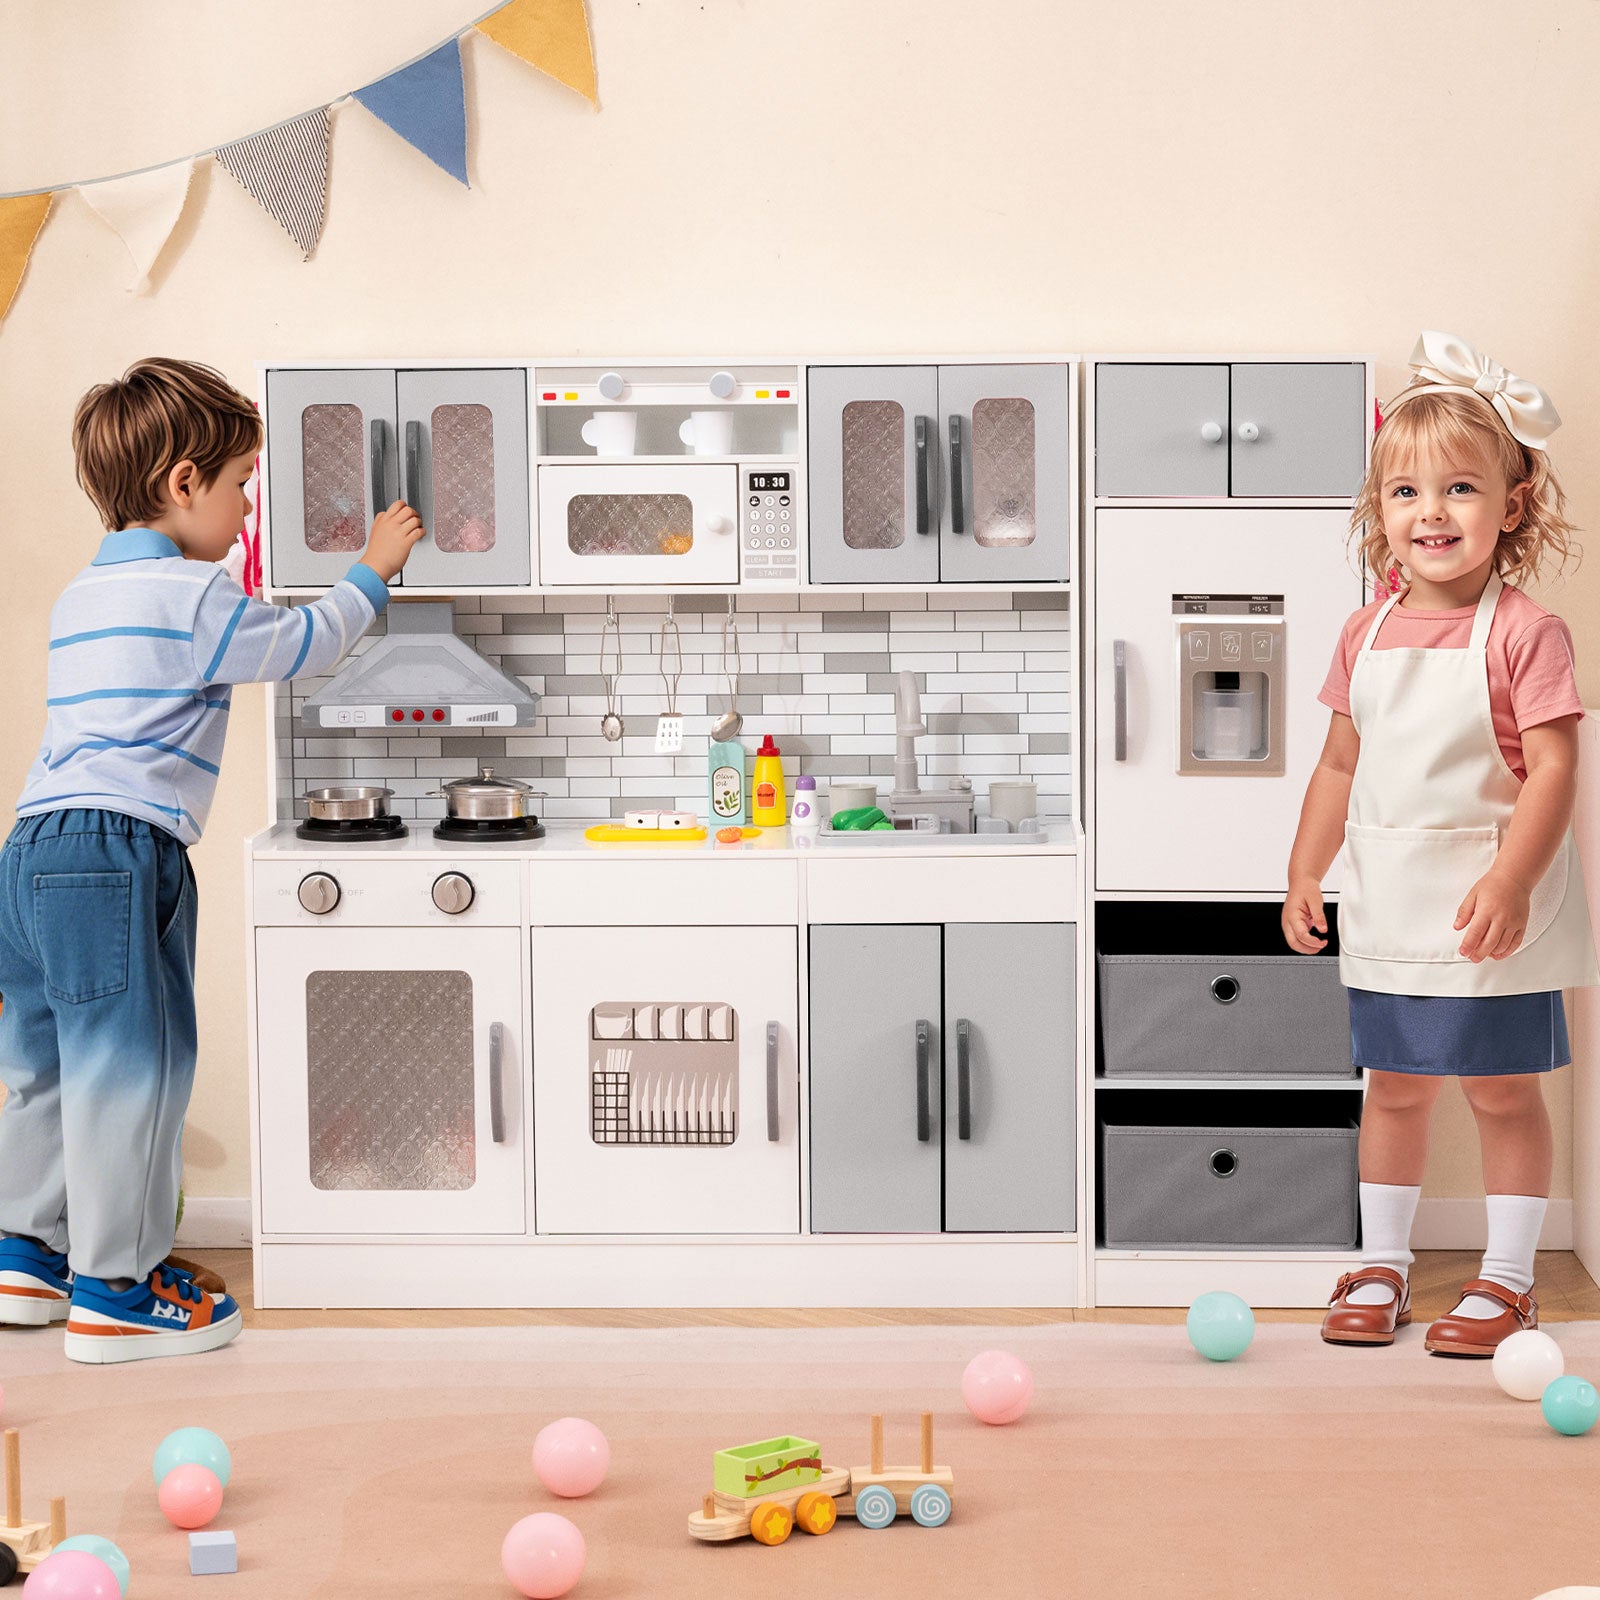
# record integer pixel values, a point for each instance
(389, 1075)
(1155, 829)
(666, 1080)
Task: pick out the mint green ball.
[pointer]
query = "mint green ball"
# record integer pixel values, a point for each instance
(1570, 1405)
(1220, 1325)
(193, 1447)
(92, 1544)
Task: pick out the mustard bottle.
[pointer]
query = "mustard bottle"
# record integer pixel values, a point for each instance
(769, 805)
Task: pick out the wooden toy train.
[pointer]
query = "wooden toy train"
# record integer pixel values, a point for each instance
(23, 1545)
(764, 1491)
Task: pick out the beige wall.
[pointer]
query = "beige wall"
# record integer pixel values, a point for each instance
(798, 176)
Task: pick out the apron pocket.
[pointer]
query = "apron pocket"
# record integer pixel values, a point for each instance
(1404, 886)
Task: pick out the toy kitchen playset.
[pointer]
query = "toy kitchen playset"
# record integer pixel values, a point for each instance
(1014, 1032)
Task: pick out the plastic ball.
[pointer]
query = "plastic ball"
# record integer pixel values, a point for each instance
(105, 1550)
(1220, 1325)
(1578, 1591)
(543, 1555)
(190, 1495)
(997, 1387)
(71, 1575)
(1570, 1405)
(571, 1457)
(193, 1447)
(1527, 1363)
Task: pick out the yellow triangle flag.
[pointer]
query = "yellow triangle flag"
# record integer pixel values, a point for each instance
(552, 35)
(20, 222)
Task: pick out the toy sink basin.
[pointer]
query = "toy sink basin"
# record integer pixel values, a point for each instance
(748, 1470)
(913, 839)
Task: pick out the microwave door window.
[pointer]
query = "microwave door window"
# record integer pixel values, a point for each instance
(630, 525)
(463, 521)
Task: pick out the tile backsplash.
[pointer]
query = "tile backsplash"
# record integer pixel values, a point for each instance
(995, 670)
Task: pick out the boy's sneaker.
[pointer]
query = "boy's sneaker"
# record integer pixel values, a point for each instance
(35, 1285)
(166, 1315)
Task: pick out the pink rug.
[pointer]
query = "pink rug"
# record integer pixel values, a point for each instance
(390, 1464)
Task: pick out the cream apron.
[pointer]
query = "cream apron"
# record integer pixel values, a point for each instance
(1429, 806)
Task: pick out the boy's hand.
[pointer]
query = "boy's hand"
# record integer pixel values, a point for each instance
(1303, 917)
(1495, 915)
(394, 532)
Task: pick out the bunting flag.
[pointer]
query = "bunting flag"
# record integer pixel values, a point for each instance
(20, 222)
(552, 35)
(426, 105)
(286, 170)
(142, 210)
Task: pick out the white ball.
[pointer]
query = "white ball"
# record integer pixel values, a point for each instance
(1526, 1363)
(1582, 1591)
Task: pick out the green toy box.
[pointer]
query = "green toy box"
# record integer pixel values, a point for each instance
(749, 1470)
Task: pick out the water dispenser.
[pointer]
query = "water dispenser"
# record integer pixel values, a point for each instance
(1230, 652)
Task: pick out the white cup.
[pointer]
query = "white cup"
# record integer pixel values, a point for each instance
(612, 432)
(1013, 802)
(708, 433)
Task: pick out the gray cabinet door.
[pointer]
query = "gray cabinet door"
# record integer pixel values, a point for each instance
(1006, 445)
(1010, 1031)
(1160, 430)
(873, 1168)
(873, 479)
(1299, 428)
(463, 441)
(331, 464)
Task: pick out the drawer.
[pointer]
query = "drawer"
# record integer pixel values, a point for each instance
(705, 892)
(1185, 1016)
(943, 889)
(1226, 1180)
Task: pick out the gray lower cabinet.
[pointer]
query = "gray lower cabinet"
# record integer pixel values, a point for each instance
(942, 1078)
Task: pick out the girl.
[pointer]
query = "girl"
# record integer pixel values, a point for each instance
(1448, 776)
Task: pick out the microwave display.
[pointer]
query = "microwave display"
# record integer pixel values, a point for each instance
(769, 480)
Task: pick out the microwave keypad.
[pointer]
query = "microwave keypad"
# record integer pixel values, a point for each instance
(769, 540)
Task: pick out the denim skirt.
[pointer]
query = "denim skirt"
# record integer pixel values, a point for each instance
(1458, 1036)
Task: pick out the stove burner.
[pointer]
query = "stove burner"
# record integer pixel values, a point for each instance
(468, 830)
(353, 830)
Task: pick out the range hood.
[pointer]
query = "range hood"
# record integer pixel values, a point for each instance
(419, 674)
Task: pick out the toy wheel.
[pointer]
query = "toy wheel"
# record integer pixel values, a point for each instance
(815, 1512)
(930, 1505)
(874, 1506)
(771, 1523)
(8, 1564)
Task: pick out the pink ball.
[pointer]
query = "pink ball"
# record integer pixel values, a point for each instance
(72, 1575)
(190, 1495)
(571, 1457)
(543, 1555)
(996, 1386)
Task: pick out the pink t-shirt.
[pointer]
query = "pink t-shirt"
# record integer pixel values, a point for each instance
(1532, 678)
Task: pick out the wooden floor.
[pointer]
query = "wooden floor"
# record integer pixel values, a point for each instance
(1564, 1290)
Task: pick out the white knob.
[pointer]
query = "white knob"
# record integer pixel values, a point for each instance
(319, 893)
(453, 892)
(723, 385)
(612, 385)
(718, 525)
(1211, 432)
(1249, 431)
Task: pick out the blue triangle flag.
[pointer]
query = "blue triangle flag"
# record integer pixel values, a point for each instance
(427, 106)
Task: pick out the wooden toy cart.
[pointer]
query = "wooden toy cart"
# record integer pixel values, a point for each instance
(28, 1542)
(874, 1495)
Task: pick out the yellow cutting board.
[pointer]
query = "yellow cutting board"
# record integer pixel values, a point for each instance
(615, 833)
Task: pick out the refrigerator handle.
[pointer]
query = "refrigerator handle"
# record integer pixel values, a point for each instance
(497, 1090)
(772, 1083)
(924, 1096)
(1119, 698)
(919, 427)
(958, 487)
(964, 1079)
(413, 464)
(375, 465)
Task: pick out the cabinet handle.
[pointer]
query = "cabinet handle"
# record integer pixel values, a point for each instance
(963, 1079)
(958, 490)
(413, 464)
(375, 465)
(772, 1083)
(920, 426)
(1249, 431)
(1119, 699)
(924, 1096)
(497, 1092)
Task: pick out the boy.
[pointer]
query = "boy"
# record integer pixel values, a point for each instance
(97, 898)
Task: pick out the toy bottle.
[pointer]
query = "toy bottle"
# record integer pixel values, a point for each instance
(726, 779)
(803, 819)
(769, 804)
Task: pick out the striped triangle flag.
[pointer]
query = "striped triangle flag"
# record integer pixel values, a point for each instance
(286, 170)
(552, 35)
(426, 105)
(20, 222)
(142, 210)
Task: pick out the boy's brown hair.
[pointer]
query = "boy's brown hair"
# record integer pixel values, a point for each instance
(128, 435)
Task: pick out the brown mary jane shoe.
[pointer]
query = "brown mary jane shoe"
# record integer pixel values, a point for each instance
(1481, 1336)
(1358, 1324)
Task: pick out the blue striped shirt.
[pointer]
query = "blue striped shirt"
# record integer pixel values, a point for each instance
(144, 649)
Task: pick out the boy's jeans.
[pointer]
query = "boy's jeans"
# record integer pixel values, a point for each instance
(97, 1036)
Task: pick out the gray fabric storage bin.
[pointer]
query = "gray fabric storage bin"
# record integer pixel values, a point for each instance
(1224, 1016)
(1225, 1186)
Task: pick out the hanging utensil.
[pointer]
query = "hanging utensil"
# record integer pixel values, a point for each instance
(669, 726)
(611, 722)
(730, 724)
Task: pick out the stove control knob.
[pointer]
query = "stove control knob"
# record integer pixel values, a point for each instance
(319, 893)
(453, 892)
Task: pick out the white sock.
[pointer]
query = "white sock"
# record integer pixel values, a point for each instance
(1514, 1224)
(1386, 1213)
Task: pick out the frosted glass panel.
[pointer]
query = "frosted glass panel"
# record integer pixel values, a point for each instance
(391, 1088)
(333, 470)
(1003, 473)
(874, 474)
(463, 479)
(630, 525)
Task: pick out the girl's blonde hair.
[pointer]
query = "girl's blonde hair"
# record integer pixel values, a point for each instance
(1448, 425)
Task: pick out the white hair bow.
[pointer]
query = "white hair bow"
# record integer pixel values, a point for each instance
(1443, 361)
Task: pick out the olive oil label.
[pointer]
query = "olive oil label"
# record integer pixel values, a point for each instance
(727, 792)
